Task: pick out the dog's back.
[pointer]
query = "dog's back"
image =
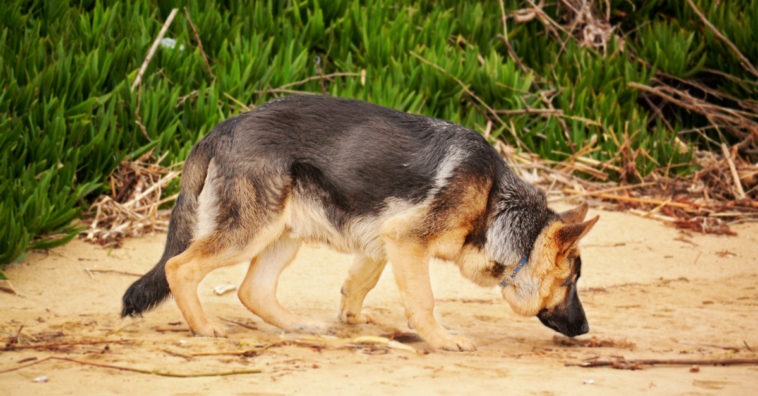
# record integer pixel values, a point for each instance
(345, 163)
(358, 152)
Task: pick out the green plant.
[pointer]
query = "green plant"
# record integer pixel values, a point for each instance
(68, 115)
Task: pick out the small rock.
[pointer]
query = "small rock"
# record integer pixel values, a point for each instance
(223, 289)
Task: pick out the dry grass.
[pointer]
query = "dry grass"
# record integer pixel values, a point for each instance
(722, 192)
(132, 208)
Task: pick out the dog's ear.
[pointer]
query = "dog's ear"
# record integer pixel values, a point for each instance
(575, 215)
(568, 235)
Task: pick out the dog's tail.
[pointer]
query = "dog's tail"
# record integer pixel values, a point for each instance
(152, 288)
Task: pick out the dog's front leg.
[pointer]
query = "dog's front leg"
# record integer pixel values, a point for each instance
(363, 276)
(410, 263)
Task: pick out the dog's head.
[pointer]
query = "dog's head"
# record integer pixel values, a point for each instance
(546, 286)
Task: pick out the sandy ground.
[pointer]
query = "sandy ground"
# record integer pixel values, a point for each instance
(649, 291)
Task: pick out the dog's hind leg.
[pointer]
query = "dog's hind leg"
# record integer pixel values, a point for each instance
(363, 276)
(258, 290)
(184, 273)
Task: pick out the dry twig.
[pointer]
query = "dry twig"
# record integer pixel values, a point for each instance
(479, 100)
(138, 118)
(138, 81)
(199, 44)
(241, 324)
(62, 344)
(638, 364)
(727, 348)
(733, 170)
(133, 369)
(745, 62)
(740, 123)
(132, 207)
(151, 52)
(650, 201)
(286, 87)
(591, 31)
(705, 201)
(504, 38)
(594, 342)
(7, 287)
(109, 271)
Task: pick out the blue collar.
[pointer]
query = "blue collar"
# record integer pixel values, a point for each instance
(519, 266)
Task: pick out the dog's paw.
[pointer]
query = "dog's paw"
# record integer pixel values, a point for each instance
(353, 319)
(210, 329)
(453, 343)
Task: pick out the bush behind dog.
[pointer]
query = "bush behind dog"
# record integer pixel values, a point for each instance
(68, 115)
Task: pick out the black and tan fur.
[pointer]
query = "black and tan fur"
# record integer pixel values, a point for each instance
(384, 185)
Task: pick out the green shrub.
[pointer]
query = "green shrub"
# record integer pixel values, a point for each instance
(68, 115)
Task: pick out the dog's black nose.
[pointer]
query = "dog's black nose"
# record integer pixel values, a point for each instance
(558, 321)
(575, 330)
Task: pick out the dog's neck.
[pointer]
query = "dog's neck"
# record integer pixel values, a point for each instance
(507, 281)
(518, 213)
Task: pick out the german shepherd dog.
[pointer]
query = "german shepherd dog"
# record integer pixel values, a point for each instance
(375, 182)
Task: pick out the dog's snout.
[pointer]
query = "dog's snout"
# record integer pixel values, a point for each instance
(584, 329)
(567, 318)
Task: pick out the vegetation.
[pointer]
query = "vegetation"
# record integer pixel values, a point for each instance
(68, 114)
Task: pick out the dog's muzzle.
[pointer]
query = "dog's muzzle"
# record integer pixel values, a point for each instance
(567, 317)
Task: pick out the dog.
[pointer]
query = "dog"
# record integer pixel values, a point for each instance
(384, 185)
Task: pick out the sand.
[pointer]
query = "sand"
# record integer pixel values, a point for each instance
(649, 291)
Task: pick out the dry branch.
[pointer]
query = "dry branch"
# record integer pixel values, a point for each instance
(504, 38)
(151, 52)
(479, 100)
(199, 44)
(727, 348)
(321, 77)
(740, 123)
(245, 352)
(245, 325)
(173, 330)
(638, 364)
(733, 170)
(591, 31)
(581, 22)
(109, 271)
(133, 369)
(706, 201)
(138, 118)
(242, 106)
(7, 287)
(132, 207)
(63, 344)
(633, 199)
(745, 62)
(594, 342)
